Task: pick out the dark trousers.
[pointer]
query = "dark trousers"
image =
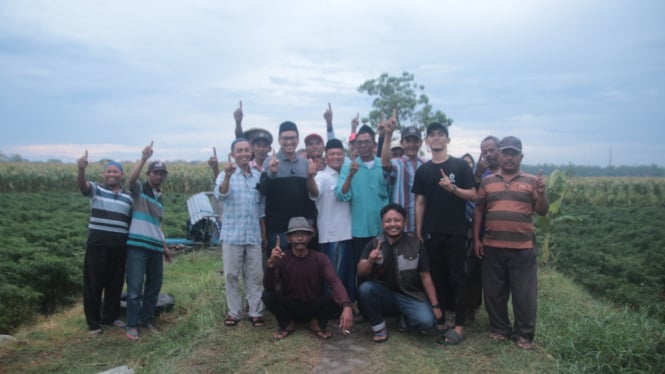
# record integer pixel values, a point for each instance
(288, 310)
(103, 275)
(511, 272)
(447, 258)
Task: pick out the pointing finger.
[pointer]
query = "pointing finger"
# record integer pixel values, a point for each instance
(358, 115)
(230, 160)
(151, 143)
(329, 107)
(277, 243)
(85, 156)
(240, 104)
(540, 173)
(214, 152)
(443, 173)
(383, 117)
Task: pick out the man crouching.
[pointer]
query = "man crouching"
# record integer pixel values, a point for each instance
(294, 286)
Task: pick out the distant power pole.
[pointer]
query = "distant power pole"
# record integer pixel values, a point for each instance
(610, 156)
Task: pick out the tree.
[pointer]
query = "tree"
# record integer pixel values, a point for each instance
(406, 96)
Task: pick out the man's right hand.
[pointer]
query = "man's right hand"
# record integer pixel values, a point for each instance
(83, 161)
(230, 167)
(274, 163)
(147, 151)
(237, 114)
(276, 254)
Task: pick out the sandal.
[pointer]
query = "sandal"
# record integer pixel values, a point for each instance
(380, 336)
(451, 337)
(95, 332)
(257, 321)
(525, 344)
(119, 323)
(231, 321)
(132, 333)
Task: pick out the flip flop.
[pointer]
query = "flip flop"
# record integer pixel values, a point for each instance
(324, 334)
(132, 333)
(231, 321)
(451, 337)
(283, 333)
(525, 344)
(381, 336)
(257, 321)
(497, 337)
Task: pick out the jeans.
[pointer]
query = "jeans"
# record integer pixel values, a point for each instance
(143, 265)
(341, 256)
(376, 301)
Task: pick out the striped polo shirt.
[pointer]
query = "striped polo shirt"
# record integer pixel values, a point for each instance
(508, 206)
(145, 232)
(110, 212)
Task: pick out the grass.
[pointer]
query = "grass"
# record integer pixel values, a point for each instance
(575, 334)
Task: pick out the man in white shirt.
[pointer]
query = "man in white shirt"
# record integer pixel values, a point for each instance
(334, 215)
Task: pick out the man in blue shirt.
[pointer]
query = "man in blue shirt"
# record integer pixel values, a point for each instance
(241, 233)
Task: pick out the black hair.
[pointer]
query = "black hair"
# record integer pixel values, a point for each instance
(473, 161)
(365, 130)
(238, 140)
(393, 206)
(492, 138)
(437, 126)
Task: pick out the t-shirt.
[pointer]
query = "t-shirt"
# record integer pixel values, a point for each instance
(445, 213)
(302, 278)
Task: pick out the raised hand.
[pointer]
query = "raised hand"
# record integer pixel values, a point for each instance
(375, 256)
(277, 254)
(540, 182)
(328, 115)
(83, 161)
(274, 163)
(230, 167)
(445, 181)
(312, 167)
(213, 162)
(381, 128)
(354, 123)
(147, 151)
(237, 114)
(391, 124)
(353, 168)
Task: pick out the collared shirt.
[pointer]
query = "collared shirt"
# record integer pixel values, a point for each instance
(508, 207)
(403, 172)
(243, 207)
(334, 217)
(368, 195)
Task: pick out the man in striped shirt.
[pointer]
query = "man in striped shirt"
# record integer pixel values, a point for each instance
(506, 202)
(147, 249)
(106, 248)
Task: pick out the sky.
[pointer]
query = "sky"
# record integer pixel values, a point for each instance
(579, 82)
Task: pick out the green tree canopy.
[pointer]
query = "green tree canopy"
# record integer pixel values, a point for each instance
(406, 96)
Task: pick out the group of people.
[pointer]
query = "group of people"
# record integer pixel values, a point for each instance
(125, 242)
(328, 234)
(363, 235)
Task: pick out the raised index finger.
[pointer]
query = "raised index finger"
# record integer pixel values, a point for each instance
(240, 105)
(151, 143)
(230, 160)
(85, 156)
(277, 241)
(214, 152)
(540, 173)
(443, 173)
(329, 107)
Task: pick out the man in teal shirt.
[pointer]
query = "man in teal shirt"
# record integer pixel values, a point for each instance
(365, 183)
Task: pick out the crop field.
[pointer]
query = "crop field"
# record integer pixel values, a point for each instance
(616, 250)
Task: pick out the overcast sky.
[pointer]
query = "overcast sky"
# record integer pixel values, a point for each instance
(576, 80)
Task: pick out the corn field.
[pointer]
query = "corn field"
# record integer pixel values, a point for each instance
(184, 177)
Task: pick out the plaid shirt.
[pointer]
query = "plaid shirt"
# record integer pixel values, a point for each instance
(243, 206)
